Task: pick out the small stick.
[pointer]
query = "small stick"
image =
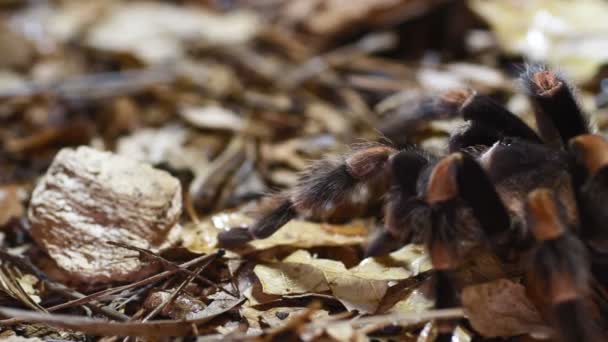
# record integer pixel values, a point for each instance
(175, 292)
(96, 295)
(172, 265)
(24, 263)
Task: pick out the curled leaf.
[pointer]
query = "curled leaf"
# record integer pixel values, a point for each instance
(500, 308)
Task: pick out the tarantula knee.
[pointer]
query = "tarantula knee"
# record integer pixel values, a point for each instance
(559, 117)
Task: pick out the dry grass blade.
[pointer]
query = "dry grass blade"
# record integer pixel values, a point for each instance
(26, 265)
(95, 296)
(10, 285)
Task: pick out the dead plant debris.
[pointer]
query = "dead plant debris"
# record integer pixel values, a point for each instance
(135, 132)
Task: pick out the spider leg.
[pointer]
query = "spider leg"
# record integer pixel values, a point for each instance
(473, 134)
(478, 191)
(558, 115)
(328, 188)
(458, 182)
(488, 122)
(483, 109)
(591, 154)
(441, 240)
(405, 213)
(559, 269)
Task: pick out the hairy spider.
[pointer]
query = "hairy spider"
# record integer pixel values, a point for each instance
(537, 196)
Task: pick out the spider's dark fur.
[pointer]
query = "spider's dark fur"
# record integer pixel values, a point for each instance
(503, 185)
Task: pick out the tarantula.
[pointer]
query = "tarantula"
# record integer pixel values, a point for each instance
(538, 196)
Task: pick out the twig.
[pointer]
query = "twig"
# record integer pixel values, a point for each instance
(172, 265)
(102, 327)
(93, 305)
(369, 44)
(97, 295)
(397, 318)
(97, 307)
(175, 293)
(95, 86)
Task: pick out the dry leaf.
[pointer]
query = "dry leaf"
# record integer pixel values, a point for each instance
(571, 35)
(155, 32)
(291, 278)
(416, 301)
(500, 308)
(184, 306)
(177, 146)
(213, 117)
(19, 286)
(410, 259)
(359, 288)
(326, 17)
(275, 317)
(202, 237)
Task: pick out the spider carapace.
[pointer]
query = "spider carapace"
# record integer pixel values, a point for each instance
(538, 194)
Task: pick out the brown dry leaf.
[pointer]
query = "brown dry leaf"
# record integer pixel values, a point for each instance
(213, 117)
(156, 32)
(28, 283)
(68, 21)
(202, 237)
(354, 291)
(20, 286)
(359, 288)
(184, 306)
(275, 317)
(153, 145)
(10, 205)
(416, 301)
(291, 278)
(462, 75)
(500, 308)
(331, 16)
(176, 145)
(304, 234)
(411, 260)
(429, 334)
(571, 35)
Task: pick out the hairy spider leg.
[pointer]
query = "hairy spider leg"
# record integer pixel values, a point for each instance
(559, 270)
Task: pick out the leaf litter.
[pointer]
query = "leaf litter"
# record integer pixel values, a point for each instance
(230, 101)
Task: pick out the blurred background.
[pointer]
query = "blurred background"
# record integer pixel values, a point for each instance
(235, 97)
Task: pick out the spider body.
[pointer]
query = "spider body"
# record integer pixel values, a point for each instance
(539, 196)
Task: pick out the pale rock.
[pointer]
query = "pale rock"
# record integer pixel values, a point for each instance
(89, 197)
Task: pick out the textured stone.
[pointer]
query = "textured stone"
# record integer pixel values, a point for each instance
(89, 197)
